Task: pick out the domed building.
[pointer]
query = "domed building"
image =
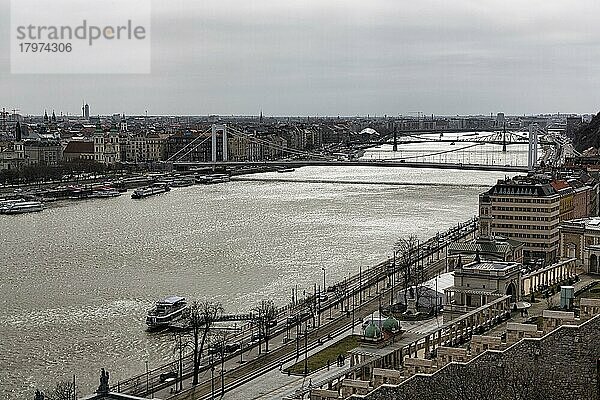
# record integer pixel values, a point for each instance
(372, 333)
(391, 325)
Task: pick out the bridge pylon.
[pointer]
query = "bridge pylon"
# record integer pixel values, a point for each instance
(216, 129)
(395, 148)
(533, 147)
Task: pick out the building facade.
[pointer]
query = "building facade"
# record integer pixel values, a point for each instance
(479, 282)
(79, 150)
(526, 210)
(529, 209)
(107, 146)
(580, 239)
(38, 152)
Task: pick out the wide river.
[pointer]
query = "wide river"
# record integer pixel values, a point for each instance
(76, 279)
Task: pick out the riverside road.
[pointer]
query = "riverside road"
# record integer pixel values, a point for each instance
(361, 295)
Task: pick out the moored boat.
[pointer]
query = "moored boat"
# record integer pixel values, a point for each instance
(156, 188)
(104, 193)
(212, 179)
(166, 311)
(21, 207)
(183, 182)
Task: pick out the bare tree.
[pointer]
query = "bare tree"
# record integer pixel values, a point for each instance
(404, 250)
(219, 342)
(419, 278)
(202, 317)
(310, 304)
(64, 390)
(265, 313)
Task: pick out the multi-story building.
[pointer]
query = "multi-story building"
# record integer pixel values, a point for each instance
(529, 209)
(585, 198)
(566, 193)
(9, 159)
(42, 152)
(155, 147)
(79, 150)
(526, 209)
(107, 146)
(580, 239)
(500, 120)
(192, 146)
(269, 147)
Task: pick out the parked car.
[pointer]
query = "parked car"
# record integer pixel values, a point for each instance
(232, 347)
(168, 376)
(256, 336)
(214, 350)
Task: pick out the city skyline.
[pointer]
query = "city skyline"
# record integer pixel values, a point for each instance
(341, 59)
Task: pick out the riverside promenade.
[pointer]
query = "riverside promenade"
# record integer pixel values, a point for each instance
(344, 309)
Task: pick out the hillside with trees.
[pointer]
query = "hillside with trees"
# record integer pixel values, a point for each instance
(588, 135)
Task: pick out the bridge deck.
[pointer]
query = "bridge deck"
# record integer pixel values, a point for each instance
(359, 163)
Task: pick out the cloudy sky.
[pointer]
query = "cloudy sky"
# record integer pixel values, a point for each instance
(341, 57)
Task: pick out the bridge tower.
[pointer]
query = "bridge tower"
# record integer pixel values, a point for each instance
(395, 136)
(215, 130)
(504, 139)
(533, 147)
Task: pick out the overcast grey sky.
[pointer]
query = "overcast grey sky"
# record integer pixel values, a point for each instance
(342, 57)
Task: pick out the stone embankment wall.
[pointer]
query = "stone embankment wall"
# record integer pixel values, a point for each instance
(563, 365)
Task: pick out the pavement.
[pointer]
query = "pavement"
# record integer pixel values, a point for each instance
(277, 385)
(266, 366)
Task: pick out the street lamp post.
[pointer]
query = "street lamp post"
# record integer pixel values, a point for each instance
(305, 351)
(223, 368)
(347, 293)
(324, 290)
(359, 284)
(182, 347)
(147, 378)
(393, 265)
(180, 365)
(241, 352)
(353, 307)
(212, 377)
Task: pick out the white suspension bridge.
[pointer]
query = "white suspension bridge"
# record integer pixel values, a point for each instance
(297, 158)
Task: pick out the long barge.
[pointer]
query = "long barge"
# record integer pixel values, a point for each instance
(148, 191)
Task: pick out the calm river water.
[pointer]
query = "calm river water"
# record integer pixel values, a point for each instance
(76, 279)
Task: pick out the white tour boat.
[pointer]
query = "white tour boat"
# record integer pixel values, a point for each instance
(165, 311)
(21, 207)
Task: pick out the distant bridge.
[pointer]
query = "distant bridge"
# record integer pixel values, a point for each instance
(502, 138)
(302, 158)
(357, 163)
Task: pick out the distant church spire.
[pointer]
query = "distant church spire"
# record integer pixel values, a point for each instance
(45, 116)
(18, 134)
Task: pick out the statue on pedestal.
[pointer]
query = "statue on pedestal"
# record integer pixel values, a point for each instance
(103, 388)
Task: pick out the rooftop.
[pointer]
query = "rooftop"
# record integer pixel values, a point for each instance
(490, 266)
(592, 223)
(173, 299)
(77, 146)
